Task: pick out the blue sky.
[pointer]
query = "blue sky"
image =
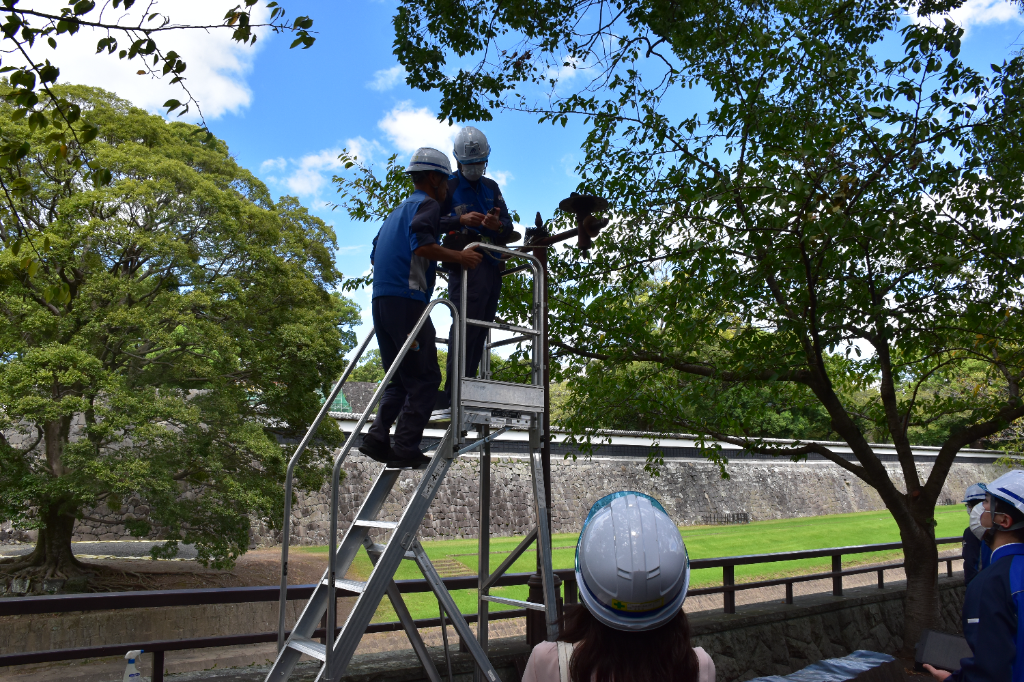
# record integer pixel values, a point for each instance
(286, 114)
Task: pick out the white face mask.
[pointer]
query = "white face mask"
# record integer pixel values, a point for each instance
(976, 528)
(474, 172)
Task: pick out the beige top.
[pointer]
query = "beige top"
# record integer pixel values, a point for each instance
(544, 664)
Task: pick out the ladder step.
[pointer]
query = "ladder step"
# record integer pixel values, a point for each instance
(350, 585)
(366, 523)
(309, 647)
(379, 549)
(515, 602)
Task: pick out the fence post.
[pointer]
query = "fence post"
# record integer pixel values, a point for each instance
(881, 579)
(837, 580)
(158, 666)
(571, 592)
(949, 568)
(728, 580)
(789, 593)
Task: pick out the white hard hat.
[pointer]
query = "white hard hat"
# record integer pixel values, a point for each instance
(974, 493)
(631, 563)
(429, 159)
(1009, 487)
(471, 146)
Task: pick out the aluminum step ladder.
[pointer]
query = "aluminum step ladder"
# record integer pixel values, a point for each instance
(479, 403)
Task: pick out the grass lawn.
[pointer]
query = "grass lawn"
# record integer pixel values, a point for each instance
(759, 537)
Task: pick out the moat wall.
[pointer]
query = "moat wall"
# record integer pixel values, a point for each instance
(687, 489)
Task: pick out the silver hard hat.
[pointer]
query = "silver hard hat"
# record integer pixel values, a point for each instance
(631, 563)
(429, 159)
(471, 146)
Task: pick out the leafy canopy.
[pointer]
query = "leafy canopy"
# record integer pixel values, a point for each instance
(173, 329)
(32, 28)
(836, 216)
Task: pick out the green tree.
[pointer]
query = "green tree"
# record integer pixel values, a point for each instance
(30, 32)
(843, 209)
(179, 315)
(369, 368)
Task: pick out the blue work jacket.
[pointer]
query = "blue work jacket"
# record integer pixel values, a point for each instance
(480, 197)
(397, 270)
(991, 620)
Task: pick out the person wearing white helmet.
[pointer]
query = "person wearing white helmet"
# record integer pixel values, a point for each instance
(404, 258)
(994, 604)
(975, 552)
(475, 211)
(633, 573)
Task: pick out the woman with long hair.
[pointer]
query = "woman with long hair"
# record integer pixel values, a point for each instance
(633, 574)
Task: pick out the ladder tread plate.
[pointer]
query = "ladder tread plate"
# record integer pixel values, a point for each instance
(351, 585)
(514, 602)
(379, 549)
(310, 647)
(371, 523)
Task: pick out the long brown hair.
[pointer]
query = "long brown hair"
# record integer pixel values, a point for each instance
(603, 654)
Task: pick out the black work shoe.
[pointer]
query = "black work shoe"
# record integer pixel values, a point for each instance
(415, 462)
(377, 451)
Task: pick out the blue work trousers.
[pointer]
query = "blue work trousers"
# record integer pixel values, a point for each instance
(410, 396)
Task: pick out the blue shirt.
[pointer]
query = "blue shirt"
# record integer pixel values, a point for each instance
(397, 270)
(991, 620)
(480, 197)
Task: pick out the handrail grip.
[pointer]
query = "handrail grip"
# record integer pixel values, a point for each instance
(289, 476)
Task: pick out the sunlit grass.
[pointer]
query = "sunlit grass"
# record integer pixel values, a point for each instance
(702, 542)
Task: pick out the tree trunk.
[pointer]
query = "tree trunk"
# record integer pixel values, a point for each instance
(52, 557)
(921, 560)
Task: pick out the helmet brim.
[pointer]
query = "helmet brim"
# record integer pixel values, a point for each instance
(623, 620)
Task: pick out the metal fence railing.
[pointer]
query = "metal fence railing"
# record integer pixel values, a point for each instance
(66, 603)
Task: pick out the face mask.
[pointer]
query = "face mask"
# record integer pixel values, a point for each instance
(474, 172)
(976, 528)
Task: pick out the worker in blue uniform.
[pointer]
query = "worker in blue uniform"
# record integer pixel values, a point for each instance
(975, 552)
(993, 607)
(404, 259)
(475, 211)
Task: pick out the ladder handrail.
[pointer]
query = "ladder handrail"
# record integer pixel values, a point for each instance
(538, 319)
(339, 460)
(286, 529)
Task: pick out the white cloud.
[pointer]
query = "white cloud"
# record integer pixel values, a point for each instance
(278, 164)
(564, 73)
(345, 250)
(308, 175)
(501, 177)
(385, 79)
(978, 13)
(365, 150)
(217, 66)
(409, 128)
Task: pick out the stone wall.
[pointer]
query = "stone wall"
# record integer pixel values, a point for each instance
(777, 639)
(688, 489)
